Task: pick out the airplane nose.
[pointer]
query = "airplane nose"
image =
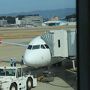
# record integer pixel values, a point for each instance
(34, 59)
(29, 60)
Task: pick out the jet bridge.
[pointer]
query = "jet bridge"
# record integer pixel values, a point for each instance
(62, 43)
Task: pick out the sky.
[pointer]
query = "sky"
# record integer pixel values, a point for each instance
(11, 6)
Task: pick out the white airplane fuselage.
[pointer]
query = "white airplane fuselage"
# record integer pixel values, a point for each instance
(37, 53)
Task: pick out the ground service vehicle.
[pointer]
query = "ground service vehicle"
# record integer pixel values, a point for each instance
(13, 78)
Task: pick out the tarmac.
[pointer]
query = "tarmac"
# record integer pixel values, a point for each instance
(63, 79)
(57, 84)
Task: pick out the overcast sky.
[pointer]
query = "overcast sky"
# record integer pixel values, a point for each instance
(10, 6)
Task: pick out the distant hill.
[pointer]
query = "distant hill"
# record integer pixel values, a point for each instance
(47, 13)
(58, 12)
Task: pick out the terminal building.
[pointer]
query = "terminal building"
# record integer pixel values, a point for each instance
(3, 22)
(30, 21)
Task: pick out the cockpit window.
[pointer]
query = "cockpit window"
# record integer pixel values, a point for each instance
(36, 47)
(46, 46)
(42, 46)
(29, 47)
(32, 47)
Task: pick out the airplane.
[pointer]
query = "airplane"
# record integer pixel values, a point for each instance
(37, 53)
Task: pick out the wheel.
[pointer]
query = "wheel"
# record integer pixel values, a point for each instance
(29, 83)
(13, 87)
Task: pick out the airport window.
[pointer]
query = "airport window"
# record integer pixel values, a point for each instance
(36, 47)
(42, 46)
(59, 43)
(46, 46)
(29, 47)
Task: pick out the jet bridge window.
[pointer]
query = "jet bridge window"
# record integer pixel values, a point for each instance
(36, 47)
(59, 43)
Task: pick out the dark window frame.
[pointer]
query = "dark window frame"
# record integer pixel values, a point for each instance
(59, 44)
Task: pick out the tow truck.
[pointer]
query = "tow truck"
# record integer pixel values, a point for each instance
(13, 78)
